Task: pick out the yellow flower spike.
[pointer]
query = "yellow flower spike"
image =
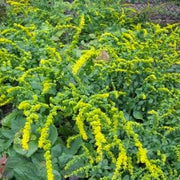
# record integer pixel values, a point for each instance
(128, 36)
(130, 166)
(36, 107)
(143, 96)
(47, 156)
(35, 98)
(7, 41)
(163, 157)
(79, 122)
(45, 129)
(82, 60)
(43, 137)
(88, 154)
(121, 160)
(53, 53)
(7, 31)
(72, 138)
(79, 29)
(99, 137)
(6, 102)
(150, 78)
(24, 105)
(46, 87)
(27, 128)
(155, 171)
(26, 133)
(153, 112)
(25, 29)
(111, 155)
(42, 61)
(110, 35)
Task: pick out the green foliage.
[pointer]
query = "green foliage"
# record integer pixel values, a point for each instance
(94, 94)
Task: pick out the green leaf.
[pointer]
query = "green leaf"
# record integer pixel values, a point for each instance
(137, 115)
(126, 177)
(18, 149)
(64, 158)
(6, 121)
(18, 122)
(27, 171)
(57, 175)
(7, 133)
(53, 134)
(57, 150)
(33, 147)
(5, 144)
(75, 146)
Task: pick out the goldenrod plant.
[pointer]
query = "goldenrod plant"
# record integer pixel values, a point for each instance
(93, 93)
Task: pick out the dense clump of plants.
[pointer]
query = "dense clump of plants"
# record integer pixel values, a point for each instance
(93, 93)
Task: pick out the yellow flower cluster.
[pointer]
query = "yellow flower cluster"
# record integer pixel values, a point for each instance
(99, 137)
(143, 96)
(79, 29)
(71, 138)
(111, 155)
(7, 41)
(8, 31)
(27, 130)
(24, 105)
(101, 96)
(83, 169)
(154, 170)
(45, 129)
(42, 61)
(26, 133)
(24, 1)
(64, 26)
(73, 161)
(4, 100)
(91, 160)
(151, 77)
(128, 36)
(108, 34)
(130, 166)
(32, 70)
(17, 5)
(82, 60)
(30, 35)
(164, 90)
(47, 156)
(121, 160)
(101, 114)
(177, 151)
(152, 112)
(30, 112)
(79, 122)
(53, 53)
(46, 87)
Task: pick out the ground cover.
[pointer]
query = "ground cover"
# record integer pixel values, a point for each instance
(90, 92)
